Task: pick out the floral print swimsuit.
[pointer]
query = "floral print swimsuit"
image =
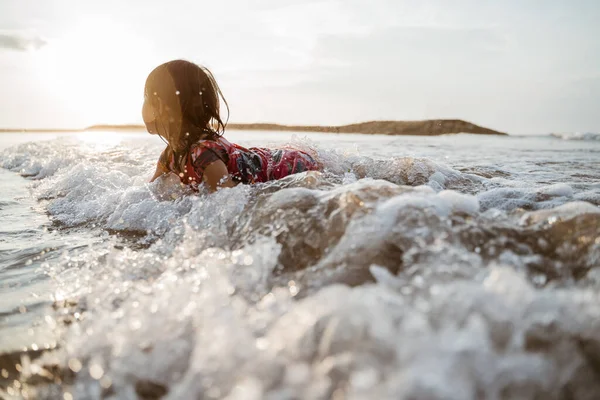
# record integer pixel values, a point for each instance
(244, 165)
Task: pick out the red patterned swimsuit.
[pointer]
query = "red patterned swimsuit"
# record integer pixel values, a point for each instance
(244, 165)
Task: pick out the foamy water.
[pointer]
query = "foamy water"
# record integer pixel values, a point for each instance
(577, 136)
(454, 267)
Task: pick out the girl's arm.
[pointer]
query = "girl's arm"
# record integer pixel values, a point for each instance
(216, 176)
(159, 171)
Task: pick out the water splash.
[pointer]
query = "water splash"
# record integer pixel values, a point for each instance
(396, 278)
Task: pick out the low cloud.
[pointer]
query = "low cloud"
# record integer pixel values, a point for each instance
(19, 41)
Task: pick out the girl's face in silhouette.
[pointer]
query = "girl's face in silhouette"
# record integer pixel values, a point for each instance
(156, 112)
(149, 116)
(157, 116)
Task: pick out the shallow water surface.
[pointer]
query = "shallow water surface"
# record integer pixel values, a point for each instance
(452, 267)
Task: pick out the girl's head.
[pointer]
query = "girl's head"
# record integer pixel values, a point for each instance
(181, 103)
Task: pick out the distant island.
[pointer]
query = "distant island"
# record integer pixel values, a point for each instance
(432, 127)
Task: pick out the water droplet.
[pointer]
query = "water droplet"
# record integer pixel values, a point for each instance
(136, 324)
(96, 371)
(74, 365)
(293, 288)
(262, 343)
(177, 92)
(105, 382)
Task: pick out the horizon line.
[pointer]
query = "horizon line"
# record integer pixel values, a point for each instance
(436, 126)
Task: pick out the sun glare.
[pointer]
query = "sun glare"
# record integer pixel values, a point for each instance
(97, 70)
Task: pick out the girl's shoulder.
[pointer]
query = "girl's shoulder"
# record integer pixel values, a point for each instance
(203, 152)
(218, 145)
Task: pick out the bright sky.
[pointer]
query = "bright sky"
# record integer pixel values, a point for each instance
(522, 66)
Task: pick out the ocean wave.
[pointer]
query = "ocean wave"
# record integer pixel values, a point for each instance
(396, 278)
(187, 321)
(577, 136)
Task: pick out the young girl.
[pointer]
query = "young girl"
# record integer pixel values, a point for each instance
(181, 105)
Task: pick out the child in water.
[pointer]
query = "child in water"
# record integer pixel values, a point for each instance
(181, 105)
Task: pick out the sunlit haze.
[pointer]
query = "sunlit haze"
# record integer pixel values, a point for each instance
(516, 66)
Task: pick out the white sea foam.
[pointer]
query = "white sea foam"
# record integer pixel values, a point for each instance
(509, 198)
(247, 293)
(577, 136)
(185, 330)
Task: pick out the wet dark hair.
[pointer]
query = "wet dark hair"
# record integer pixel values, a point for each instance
(191, 96)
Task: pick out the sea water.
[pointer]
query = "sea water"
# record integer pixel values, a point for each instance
(451, 267)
